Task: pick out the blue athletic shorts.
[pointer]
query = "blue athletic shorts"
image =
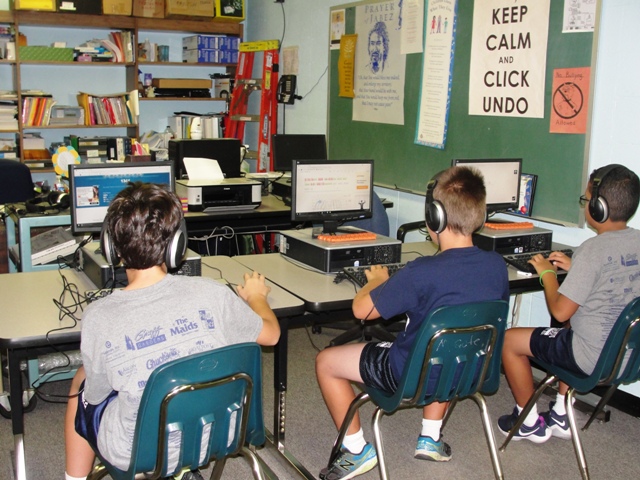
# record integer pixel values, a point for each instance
(88, 417)
(553, 345)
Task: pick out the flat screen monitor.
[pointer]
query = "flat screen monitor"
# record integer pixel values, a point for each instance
(92, 186)
(331, 191)
(288, 147)
(501, 179)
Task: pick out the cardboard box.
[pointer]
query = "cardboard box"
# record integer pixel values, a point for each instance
(182, 82)
(117, 7)
(88, 7)
(230, 10)
(189, 8)
(148, 8)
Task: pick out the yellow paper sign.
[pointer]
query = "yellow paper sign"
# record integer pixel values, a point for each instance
(346, 63)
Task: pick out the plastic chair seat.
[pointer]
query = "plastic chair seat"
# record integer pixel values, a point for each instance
(619, 363)
(456, 355)
(211, 401)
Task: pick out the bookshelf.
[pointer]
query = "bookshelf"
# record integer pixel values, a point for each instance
(64, 80)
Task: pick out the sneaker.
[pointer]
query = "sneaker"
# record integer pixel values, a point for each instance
(428, 449)
(558, 424)
(349, 465)
(188, 475)
(539, 433)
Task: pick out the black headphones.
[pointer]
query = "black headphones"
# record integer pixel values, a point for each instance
(434, 213)
(54, 200)
(598, 205)
(173, 255)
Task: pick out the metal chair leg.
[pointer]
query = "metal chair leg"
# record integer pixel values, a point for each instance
(577, 444)
(548, 380)
(254, 462)
(99, 471)
(218, 467)
(488, 432)
(377, 436)
(360, 400)
(447, 414)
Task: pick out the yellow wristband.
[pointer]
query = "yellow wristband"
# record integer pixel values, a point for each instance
(546, 271)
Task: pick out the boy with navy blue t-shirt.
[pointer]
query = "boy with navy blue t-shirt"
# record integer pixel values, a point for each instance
(459, 273)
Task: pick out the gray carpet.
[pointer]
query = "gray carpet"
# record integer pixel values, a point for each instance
(611, 447)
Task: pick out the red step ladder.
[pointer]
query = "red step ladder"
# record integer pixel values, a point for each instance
(244, 86)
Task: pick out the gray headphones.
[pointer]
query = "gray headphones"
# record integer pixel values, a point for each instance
(598, 205)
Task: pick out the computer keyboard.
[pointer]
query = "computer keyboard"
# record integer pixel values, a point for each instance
(347, 237)
(357, 273)
(521, 260)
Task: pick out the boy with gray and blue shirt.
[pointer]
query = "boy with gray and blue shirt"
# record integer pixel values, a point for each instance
(155, 319)
(602, 279)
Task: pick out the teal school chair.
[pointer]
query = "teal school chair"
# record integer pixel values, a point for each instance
(456, 355)
(619, 363)
(213, 400)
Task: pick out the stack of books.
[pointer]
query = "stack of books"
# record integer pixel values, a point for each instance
(8, 115)
(36, 109)
(113, 109)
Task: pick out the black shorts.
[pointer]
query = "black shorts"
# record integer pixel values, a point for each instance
(553, 345)
(88, 417)
(375, 369)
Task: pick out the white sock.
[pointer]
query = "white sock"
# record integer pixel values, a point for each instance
(532, 418)
(431, 428)
(355, 442)
(559, 406)
(69, 477)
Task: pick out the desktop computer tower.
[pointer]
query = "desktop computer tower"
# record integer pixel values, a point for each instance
(225, 150)
(510, 241)
(95, 267)
(328, 257)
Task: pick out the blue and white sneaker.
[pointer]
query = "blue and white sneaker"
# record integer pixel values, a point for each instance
(348, 465)
(428, 449)
(539, 433)
(558, 424)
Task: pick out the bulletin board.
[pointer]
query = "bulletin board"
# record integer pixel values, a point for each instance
(559, 160)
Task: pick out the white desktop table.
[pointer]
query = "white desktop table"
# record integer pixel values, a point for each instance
(31, 325)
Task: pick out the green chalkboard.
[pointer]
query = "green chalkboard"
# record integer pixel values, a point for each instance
(559, 160)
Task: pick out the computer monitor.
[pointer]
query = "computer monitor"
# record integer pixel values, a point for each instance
(331, 191)
(501, 179)
(288, 147)
(92, 186)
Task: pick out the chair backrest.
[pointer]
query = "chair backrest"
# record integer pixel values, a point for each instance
(212, 401)
(619, 361)
(15, 182)
(379, 221)
(457, 352)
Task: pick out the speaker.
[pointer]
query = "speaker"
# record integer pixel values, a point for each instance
(598, 206)
(53, 200)
(173, 255)
(434, 213)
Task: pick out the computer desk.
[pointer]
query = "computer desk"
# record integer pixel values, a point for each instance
(328, 302)
(31, 325)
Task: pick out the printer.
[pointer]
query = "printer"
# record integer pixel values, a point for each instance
(229, 194)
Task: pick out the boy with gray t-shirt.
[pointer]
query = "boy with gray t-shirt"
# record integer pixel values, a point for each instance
(598, 285)
(155, 319)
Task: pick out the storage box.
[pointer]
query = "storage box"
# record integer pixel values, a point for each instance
(189, 8)
(117, 7)
(148, 8)
(42, 53)
(182, 82)
(230, 10)
(47, 5)
(209, 56)
(211, 42)
(88, 7)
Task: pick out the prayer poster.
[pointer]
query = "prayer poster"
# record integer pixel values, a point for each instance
(508, 58)
(379, 65)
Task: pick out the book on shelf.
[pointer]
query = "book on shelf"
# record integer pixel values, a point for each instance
(48, 246)
(114, 109)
